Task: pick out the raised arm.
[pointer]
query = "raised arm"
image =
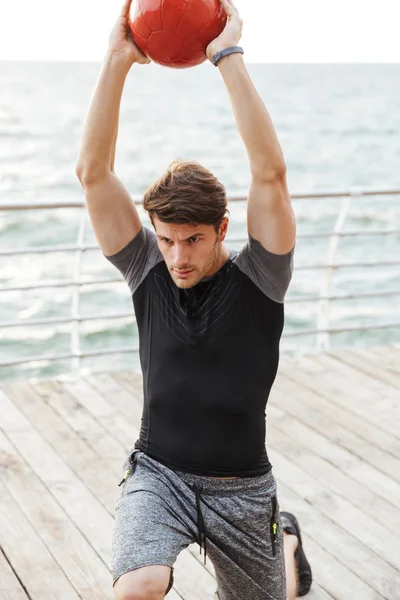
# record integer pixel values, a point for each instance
(114, 217)
(270, 216)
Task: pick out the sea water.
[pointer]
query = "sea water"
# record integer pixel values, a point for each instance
(339, 127)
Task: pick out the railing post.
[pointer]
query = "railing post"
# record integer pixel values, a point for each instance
(76, 296)
(323, 339)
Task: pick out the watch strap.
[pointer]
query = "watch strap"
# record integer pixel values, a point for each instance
(225, 52)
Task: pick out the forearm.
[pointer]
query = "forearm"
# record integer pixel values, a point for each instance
(102, 120)
(254, 123)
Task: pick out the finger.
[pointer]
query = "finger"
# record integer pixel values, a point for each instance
(142, 59)
(235, 9)
(145, 59)
(125, 8)
(229, 7)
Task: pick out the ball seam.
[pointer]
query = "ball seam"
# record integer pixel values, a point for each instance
(142, 13)
(184, 13)
(202, 29)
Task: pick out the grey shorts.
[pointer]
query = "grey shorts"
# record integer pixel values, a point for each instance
(237, 522)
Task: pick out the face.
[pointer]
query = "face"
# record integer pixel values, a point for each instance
(191, 252)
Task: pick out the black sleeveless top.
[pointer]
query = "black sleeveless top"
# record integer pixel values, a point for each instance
(209, 357)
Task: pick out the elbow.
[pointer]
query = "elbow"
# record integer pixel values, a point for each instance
(89, 174)
(269, 173)
(80, 172)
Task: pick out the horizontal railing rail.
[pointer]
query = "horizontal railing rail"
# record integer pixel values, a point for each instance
(135, 349)
(91, 247)
(124, 315)
(321, 195)
(105, 281)
(323, 331)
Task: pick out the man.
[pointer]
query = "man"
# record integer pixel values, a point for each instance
(210, 322)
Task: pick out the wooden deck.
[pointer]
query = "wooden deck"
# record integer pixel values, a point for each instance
(333, 438)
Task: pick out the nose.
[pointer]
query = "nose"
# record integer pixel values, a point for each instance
(181, 256)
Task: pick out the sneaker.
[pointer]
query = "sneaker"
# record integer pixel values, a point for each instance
(290, 525)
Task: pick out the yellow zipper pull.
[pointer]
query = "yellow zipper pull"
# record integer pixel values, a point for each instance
(274, 528)
(127, 472)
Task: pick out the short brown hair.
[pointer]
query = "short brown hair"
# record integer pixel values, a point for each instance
(187, 193)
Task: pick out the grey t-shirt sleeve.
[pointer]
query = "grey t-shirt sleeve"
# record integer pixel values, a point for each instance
(137, 258)
(271, 273)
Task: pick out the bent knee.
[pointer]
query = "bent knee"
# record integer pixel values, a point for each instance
(146, 583)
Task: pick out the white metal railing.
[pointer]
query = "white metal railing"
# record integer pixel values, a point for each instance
(323, 331)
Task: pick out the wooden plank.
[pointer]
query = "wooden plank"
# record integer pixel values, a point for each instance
(318, 593)
(311, 400)
(364, 561)
(193, 581)
(39, 572)
(10, 586)
(352, 465)
(106, 494)
(108, 449)
(336, 558)
(110, 398)
(379, 398)
(382, 468)
(174, 595)
(382, 388)
(83, 507)
(116, 394)
(330, 384)
(333, 576)
(86, 572)
(367, 363)
(387, 357)
(71, 448)
(133, 379)
(112, 420)
(362, 527)
(132, 382)
(291, 436)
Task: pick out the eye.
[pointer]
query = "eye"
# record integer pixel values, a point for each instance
(193, 240)
(166, 240)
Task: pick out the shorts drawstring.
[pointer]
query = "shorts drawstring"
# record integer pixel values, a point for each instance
(200, 523)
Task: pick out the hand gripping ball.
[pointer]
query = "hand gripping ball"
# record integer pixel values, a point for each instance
(176, 33)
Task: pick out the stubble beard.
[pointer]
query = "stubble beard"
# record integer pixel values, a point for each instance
(197, 276)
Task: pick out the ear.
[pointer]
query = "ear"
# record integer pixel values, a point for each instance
(223, 229)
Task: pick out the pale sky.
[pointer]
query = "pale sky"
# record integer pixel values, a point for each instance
(274, 31)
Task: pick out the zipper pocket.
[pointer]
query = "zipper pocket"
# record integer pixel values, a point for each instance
(132, 463)
(125, 477)
(273, 526)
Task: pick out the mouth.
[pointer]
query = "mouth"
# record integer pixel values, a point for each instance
(183, 274)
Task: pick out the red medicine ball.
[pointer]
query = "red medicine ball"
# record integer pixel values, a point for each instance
(176, 33)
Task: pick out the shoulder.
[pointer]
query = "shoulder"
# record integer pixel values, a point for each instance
(271, 273)
(137, 258)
